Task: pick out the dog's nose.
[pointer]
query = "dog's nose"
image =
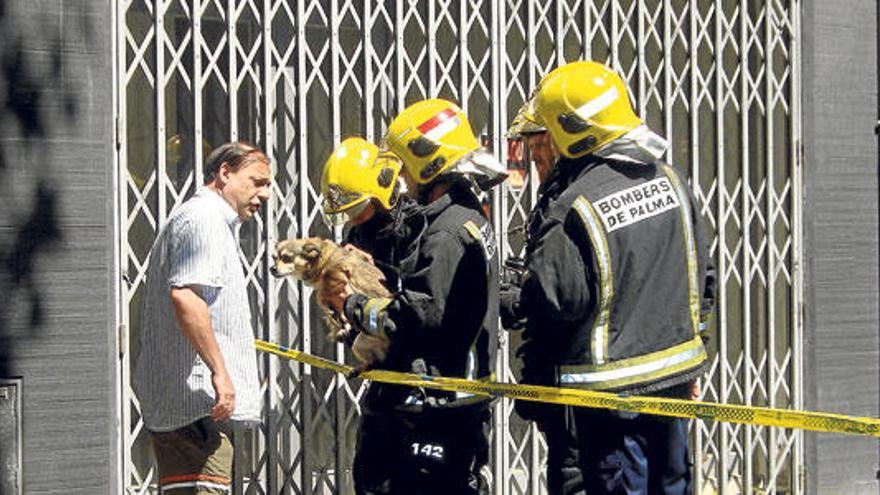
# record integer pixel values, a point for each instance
(273, 270)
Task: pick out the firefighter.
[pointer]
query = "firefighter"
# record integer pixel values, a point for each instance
(442, 321)
(619, 282)
(362, 187)
(563, 473)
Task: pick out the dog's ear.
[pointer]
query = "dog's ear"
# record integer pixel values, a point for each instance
(311, 251)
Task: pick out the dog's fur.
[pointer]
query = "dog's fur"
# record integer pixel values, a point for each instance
(327, 267)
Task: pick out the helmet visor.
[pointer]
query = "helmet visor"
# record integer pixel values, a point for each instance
(337, 199)
(526, 121)
(342, 217)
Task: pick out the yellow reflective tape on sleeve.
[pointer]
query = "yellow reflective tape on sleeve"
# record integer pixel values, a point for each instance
(599, 340)
(477, 234)
(474, 231)
(374, 315)
(687, 227)
(706, 411)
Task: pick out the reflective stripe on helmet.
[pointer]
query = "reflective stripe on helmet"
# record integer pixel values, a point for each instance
(596, 105)
(440, 124)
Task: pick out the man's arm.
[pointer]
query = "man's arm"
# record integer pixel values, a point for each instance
(194, 320)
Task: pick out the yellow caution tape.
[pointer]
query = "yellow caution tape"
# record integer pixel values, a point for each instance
(679, 408)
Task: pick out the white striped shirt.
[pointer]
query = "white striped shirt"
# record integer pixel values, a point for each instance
(196, 248)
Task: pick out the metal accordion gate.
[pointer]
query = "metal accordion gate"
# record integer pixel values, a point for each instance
(719, 78)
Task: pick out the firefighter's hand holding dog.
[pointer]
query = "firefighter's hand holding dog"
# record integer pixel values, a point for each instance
(368, 349)
(336, 300)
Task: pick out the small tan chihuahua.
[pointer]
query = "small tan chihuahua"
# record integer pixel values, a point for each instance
(327, 267)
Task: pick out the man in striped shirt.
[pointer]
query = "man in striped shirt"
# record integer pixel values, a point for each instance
(197, 368)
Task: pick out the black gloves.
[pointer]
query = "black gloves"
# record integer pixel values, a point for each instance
(367, 315)
(513, 273)
(535, 374)
(512, 317)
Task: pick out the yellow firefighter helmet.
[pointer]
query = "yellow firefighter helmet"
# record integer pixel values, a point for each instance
(356, 172)
(430, 137)
(585, 106)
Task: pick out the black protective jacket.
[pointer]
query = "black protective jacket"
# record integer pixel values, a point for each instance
(392, 239)
(443, 319)
(619, 280)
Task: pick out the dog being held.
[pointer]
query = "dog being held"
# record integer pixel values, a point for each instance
(327, 267)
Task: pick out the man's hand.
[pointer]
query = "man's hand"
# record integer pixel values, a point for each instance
(224, 392)
(695, 389)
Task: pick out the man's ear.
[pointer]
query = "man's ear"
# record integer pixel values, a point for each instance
(223, 172)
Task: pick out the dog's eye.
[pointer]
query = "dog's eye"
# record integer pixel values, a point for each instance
(286, 258)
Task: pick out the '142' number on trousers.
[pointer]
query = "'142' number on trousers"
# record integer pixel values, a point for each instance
(427, 450)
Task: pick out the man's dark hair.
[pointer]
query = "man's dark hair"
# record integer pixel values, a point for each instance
(234, 155)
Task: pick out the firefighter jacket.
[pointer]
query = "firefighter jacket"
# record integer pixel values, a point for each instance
(619, 279)
(392, 239)
(443, 321)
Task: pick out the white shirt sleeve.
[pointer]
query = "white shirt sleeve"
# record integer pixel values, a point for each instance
(197, 256)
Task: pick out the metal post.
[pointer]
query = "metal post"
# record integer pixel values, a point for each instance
(796, 155)
(270, 332)
(303, 196)
(769, 193)
(120, 308)
(877, 133)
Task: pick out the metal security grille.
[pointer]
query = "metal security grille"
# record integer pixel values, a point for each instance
(719, 78)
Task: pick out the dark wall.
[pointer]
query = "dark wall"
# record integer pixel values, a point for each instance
(841, 230)
(56, 239)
